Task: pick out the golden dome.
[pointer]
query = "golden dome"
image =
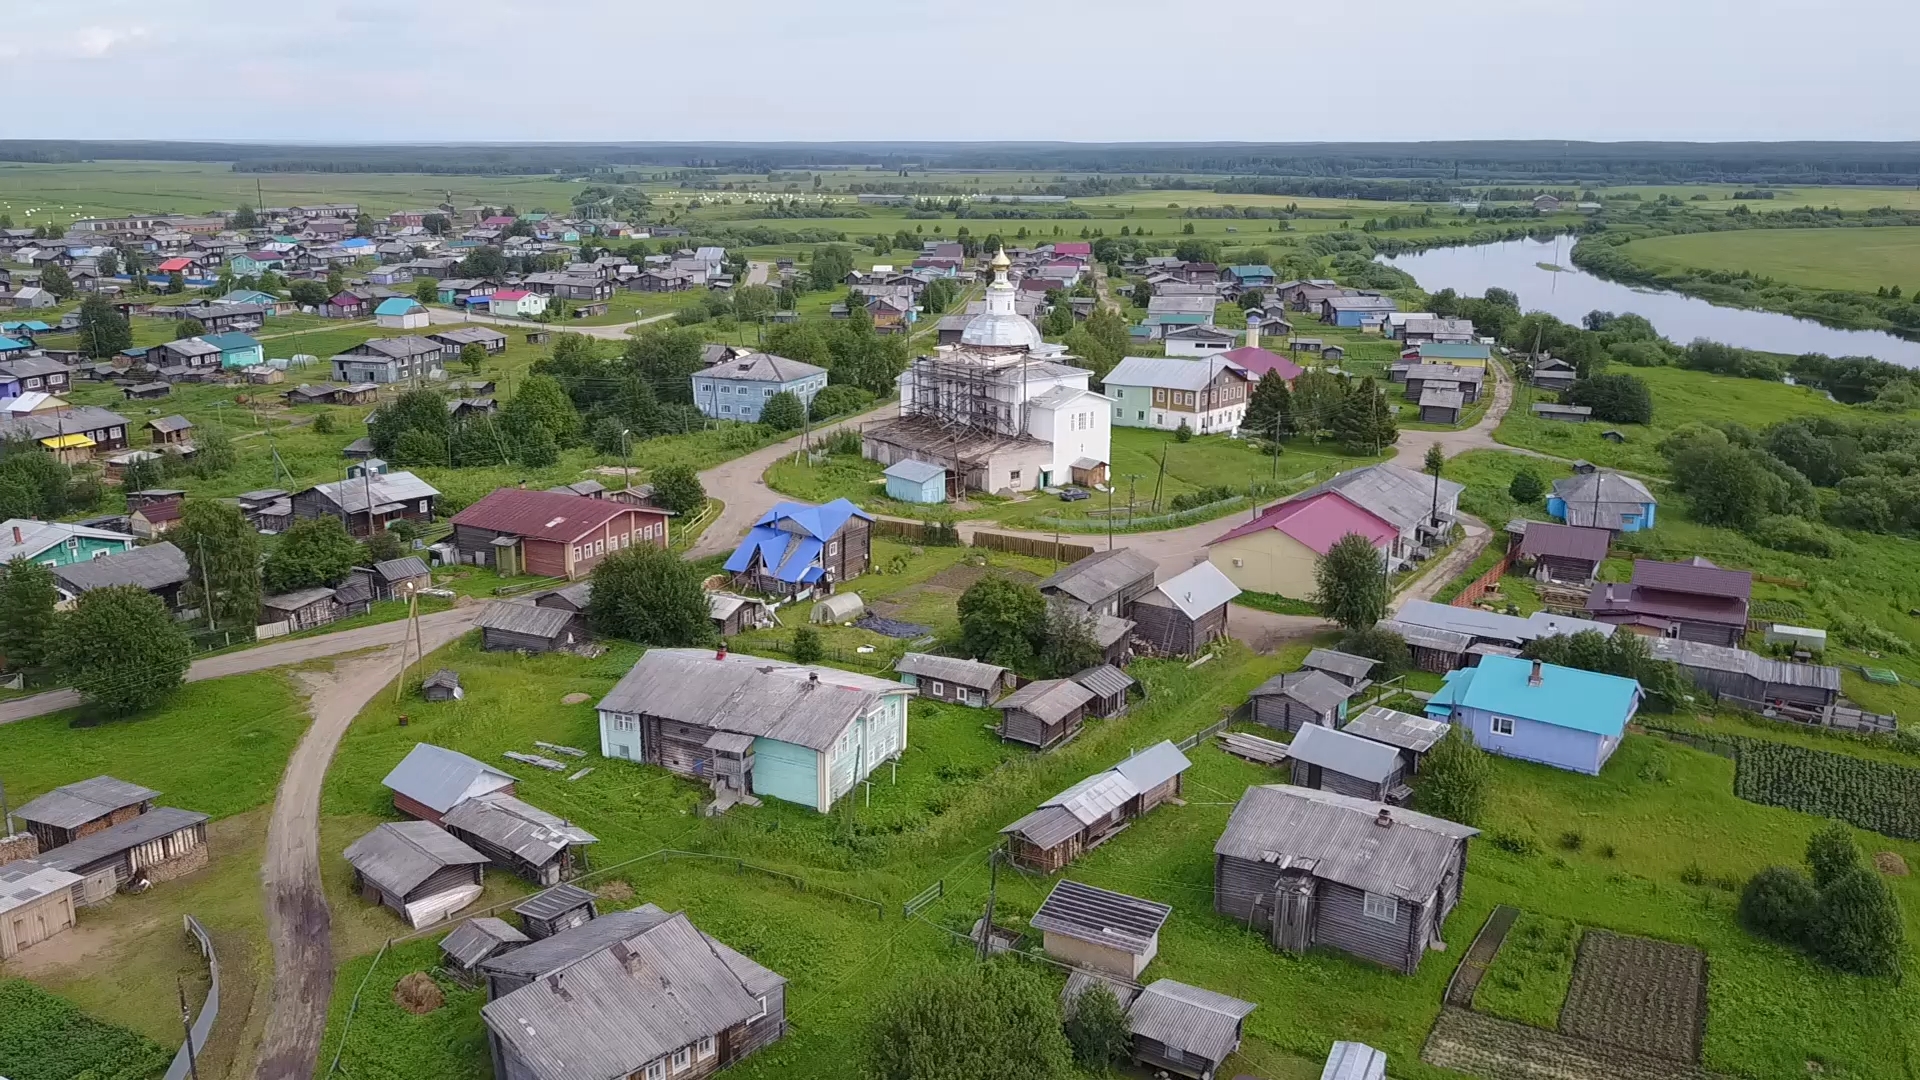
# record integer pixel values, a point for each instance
(1000, 260)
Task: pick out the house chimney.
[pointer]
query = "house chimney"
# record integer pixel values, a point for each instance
(720, 653)
(18, 537)
(1534, 679)
(1384, 819)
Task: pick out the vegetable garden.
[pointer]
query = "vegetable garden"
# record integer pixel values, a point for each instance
(1875, 795)
(43, 1037)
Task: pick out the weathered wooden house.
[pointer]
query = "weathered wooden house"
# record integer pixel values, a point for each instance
(1109, 686)
(1085, 815)
(72, 811)
(432, 780)
(1564, 554)
(369, 501)
(1412, 736)
(442, 685)
(476, 941)
(303, 609)
(572, 599)
(949, 678)
(1043, 713)
(1345, 668)
(162, 844)
(417, 869)
(1114, 635)
(1099, 929)
(1316, 869)
(1186, 613)
(1299, 699)
(555, 910)
(1430, 648)
(508, 625)
(633, 994)
(1104, 583)
(518, 836)
(1348, 764)
(1748, 679)
(733, 614)
(396, 579)
(553, 533)
(36, 903)
(1177, 1029)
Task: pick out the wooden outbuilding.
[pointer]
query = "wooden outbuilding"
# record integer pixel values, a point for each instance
(1090, 812)
(432, 780)
(1176, 1029)
(1109, 686)
(1186, 613)
(1430, 648)
(951, 679)
(300, 610)
(1099, 929)
(396, 579)
(36, 903)
(1104, 583)
(1345, 668)
(1299, 699)
(162, 844)
(518, 836)
(1412, 736)
(476, 941)
(1564, 554)
(72, 811)
(1337, 761)
(417, 869)
(442, 685)
(1748, 679)
(1044, 713)
(528, 628)
(560, 908)
(733, 614)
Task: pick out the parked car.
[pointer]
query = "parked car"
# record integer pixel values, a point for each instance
(1075, 494)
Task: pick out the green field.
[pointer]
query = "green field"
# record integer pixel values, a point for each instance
(1858, 259)
(1720, 196)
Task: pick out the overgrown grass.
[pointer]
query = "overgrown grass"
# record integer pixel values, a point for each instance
(1859, 259)
(45, 1038)
(1529, 978)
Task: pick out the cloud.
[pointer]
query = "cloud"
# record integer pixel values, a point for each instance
(97, 42)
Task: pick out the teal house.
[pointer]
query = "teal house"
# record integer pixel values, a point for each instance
(54, 543)
(1559, 716)
(236, 350)
(751, 727)
(916, 482)
(255, 263)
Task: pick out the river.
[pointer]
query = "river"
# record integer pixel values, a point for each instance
(1568, 295)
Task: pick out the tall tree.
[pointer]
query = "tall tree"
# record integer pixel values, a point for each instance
(223, 554)
(1351, 583)
(313, 553)
(103, 330)
(1365, 422)
(1269, 407)
(1067, 641)
(541, 400)
(27, 597)
(678, 488)
(1454, 778)
(57, 281)
(1000, 619)
(650, 596)
(244, 218)
(1436, 464)
(121, 649)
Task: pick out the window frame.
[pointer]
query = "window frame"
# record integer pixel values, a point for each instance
(1495, 723)
(706, 1048)
(763, 1010)
(655, 1070)
(1371, 904)
(683, 1059)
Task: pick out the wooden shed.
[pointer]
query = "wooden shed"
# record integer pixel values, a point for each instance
(476, 941)
(525, 627)
(518, 836)
(303, 609)
(432, 780)
(1430, 648)
(562, 907)
(1043, 713)
(1182, 615)
(1566, 554)
(1099, 929)
(418, 869)
(732, 614)
(1748, 679)
(1345, 668)
(1092, 811)
(1336, 761)
(572, 599)
(159, 845)
(1411, 735)
(442, 685)
(1109, 686)
(1299, 699)
(72, 811)
(949, 678)
(1185, 1030)
(36, 903)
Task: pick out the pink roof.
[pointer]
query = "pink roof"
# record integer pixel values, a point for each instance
(1319, 522)
(346, 299)
(1073, 247)
(1259, 361)
(171, 265)
(509, 294)
(498, 220)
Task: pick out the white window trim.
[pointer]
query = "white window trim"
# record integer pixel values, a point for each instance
(1380, 907)
(762, 1012)
(939, 688)
(1494, 725)
(656, 1070)
(683, 1059)
(706, 1048)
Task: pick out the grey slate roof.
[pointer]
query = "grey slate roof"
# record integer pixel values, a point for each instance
(1598, 499)
(152, 825)
(1047, 699)
(72, 805)
(1317, 690)
(294, 601)
(155, 566)
(629, 1003)
(1396, 728)
(390, 488)
(1061, 817)
(1109, 629)
(1345, 753)
(1100, 575)
(1188, 1018)
(1101, 916)
(1398, 494)
(1104, 680)
(551, 954)
(1082, 980)
(1337, 837)
(1427, 637)
(553, 903)
(950, 669)
(441, 779)
(515, 826)
(760, 367)
(515, 618)
(1700, 654)
(44, 425)
(478, 938)
(1169, 372)
(1510, 629)
(1047, 827)
(1339, 663)
(399, 855)
(1436, 398)
(170, 424)
(807, 705)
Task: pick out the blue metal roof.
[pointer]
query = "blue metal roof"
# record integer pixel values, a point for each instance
(397, 305)
(7, 344)
(790, 556)
(1566, 697)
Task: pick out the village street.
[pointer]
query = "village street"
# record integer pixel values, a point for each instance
(615, 332)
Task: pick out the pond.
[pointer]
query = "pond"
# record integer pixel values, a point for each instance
(1523, 267)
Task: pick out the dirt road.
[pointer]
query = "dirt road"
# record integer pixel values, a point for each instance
(297, 921)
(740, 485)
(262, 657)
(615, 332)
(1412, 449)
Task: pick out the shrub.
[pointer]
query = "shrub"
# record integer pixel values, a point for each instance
(1857, 926)
(1783, 532)
(806, 646)
(1097, 1029)
(1183, 433)
(1831, 853)
(1454, 778)
(1572, 840)
(1659, 763)
(958, 1024)
(1384, 646)
(840, 400)
(1206, 496)
(783, 412)
(323, 424)
(1514, 843)
(678, 488)
(1526, 487)
(1778, 903)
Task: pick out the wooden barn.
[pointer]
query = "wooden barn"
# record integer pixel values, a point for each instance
(1329, 760)
(1100, 930)
(517, 836)
(1184, 614)
(949, 678)
(417, 869)
(162, 844)
(1749, 679)
(1176, 1029)
(572, 599)
(1104, 583)
(1316, 869)
(1299, 699)
(300, 610)
(1087, 814)
(1109, 686)
(432, 780)
(1411, 735)
(1345, 668)
(1114, 635)
(476, 941)
(529, 628)
(560, 908)
(733, 614)
(1431, 648)
(1566, 554)
(36, 903)
(72, 811)
(1043, 713)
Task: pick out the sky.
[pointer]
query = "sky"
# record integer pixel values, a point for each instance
(362, 71)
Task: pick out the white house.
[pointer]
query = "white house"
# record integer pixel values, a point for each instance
(516, 303)
(1208, 395)
(400, 313)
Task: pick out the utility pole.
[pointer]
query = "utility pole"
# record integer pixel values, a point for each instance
(206, 581)
(993, 889)
(186, 1021)
(1160, 478)
(626, 454)
(1131, 477)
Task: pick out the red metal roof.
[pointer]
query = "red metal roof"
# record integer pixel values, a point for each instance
(1259, 361)
(1073, 247)
(509, 294)
(545, 515)
(1318, 521)
(172, 265)
(1696, 576)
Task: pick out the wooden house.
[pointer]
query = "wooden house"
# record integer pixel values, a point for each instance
(1299, 699)
(574, 600)
(1430, 648)
(1748, 679)
(417, 869)
(1087, 814)
(517, 836)
(369, 499)
(160, 569)
(442, 685)
(509, 626)
(1099, 930)
(432, 780)
(1109, 686)
(1411, 735)
(1041, 714)
(1564, 554)
(72, 811)
(1316, 869)
(732, 614)
(170, 430)
(303, 609)
(36, 903)
(948, 678)
(1176, 1029)
(638, 994)
(476, 941)
(162, 844)
(1347, 669)
(1186, 613)
(1695, 600)
(555, 910)
(1339, 761)
(552, 533)
(1104, 583)
(795, 547)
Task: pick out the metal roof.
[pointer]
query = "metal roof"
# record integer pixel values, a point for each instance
(1169, 372)
(1104, 680)
(400, 855)
(1392, 492)
(1345, 753)
(1600, 499)
(1317, 690)
(950, 669)
(23, 882)
(1700, 654)
(915, 472)
(629, 1003)
(1475, 623)
(1154, 766)
(1100, 575)
(169, 424)
(1565, 542)
(107, 843)
(410, 566)
(1095, 797)
(1565, 697)
(1696, 576)
(1188, 1019)
(1437, 398)
(155, 566)
(1339, 838)
(354, 495)
(1080, 980)
(510, 617)
(523, 829)
(808, 705)
(1047, 699)
(1102, 917)
(551, 954)
(760, 367)
(1339, 663)
(1354, 1061)
(1396, 728)
(1047, 827)
(1109, 629)
(546, 515)
(1196, 591)
(478, 938)
(70, 806)
(553, 903)
(441, 779)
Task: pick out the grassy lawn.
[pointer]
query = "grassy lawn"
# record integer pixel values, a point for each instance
(1528, 979)
(1859, 259)
(46, 1038)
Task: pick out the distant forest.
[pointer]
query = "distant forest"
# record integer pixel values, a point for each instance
(1434, 166)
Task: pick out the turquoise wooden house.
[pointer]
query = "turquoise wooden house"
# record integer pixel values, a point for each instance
(1559, 716)
(752, 727)
(237, 350)
(54, 543)
(916, 482)
(255, 263)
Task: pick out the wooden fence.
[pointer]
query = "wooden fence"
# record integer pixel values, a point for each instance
(196, 1043)
(1485, 582)
(1037, 547)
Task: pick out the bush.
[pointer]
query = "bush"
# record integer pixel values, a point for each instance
(323, 424)
(121, 648)
(1658, 764)
(678, 488)
(1183, 433)
(1514, 843)
(1796, 534)
(783, 412)
(1857, 926)
(806, 646)
(1526, 487)
(1454, 779)
(1097, 1029)
(1831, 853)
(1572, 840)
(991, 1020)
(1778, 903)
(650, 596)
(840, 400)
(1384, 646)
(1621, 399)
(1206, 496)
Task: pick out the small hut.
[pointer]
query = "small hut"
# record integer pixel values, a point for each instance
(1042, 714)
(443, 685)
(475, 942)
(1095, 928)
(1348, 669)
(524, 627)
(518, 836)
(1411, 735)
(1336, 761)
(562, 907)
(1109, 686)
(417, 869)
(1297, 699)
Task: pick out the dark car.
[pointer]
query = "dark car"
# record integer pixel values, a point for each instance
(1075, 494)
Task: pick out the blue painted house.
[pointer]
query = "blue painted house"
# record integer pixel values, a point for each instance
(737, 389)
(1603, 500)
(794, 547)
(751, 726)
(236, 350)
(1559, 716)
(54, 543)
(916, 482)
